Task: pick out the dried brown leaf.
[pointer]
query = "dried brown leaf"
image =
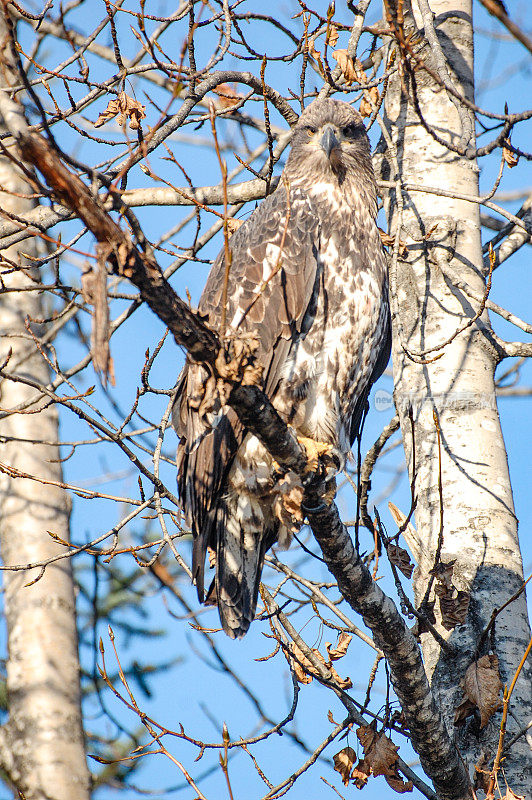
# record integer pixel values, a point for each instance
(453, 608)
(463, 711)
(343, 683)
(444, 572)
(399, 558)
(344, 762)
(124, 108)
(379, 751)
(369, 102)
(482, 776)
(346, 64)
(339, 651)
(399, 785)
(380, 755)
(303, 667)
(399, 720)
(421, 624)
(301, 675)
(361, 773)
(482, 685)
(332, 35)
(319, 657)
(233, 225)
(510, 158)
(315, 54)
(331, 718)
(366, 736)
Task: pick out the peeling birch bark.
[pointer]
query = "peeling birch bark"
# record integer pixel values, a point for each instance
(479, 522)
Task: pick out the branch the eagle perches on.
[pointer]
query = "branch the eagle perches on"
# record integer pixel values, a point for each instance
(124, 258)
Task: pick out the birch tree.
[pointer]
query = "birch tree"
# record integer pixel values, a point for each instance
(453, 637)
(445, 354)
(41, 744)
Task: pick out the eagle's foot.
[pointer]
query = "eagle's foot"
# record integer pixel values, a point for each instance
(315, 451)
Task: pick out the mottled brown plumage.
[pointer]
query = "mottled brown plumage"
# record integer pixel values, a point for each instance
(308, 276)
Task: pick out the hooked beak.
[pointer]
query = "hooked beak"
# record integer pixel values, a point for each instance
(328, 140)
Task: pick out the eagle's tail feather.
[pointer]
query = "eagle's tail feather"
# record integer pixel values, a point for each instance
(240, 554)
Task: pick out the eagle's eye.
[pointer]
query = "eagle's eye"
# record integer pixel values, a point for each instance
(310, 131)
(349, 131)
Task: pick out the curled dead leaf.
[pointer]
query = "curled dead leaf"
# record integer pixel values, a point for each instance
(454, 605)
(299, 670)
(400, 786)
(510, 158)
(331, 718)
(233, 225)
(124, 108)
(463, 711)
(399, 558)
(380, 754)
(421, 625)
(379, 751)
(444, 572)
(303, 667)
(311, 49)
(352, 71)
(332, 35)
(343, 683)
(482, 775)
(344, 761)
(369, 102)
(481, 686)
(339, 651)
(346, 64)
(361, 773)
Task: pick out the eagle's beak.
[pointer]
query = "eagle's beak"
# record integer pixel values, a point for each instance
(329, 140)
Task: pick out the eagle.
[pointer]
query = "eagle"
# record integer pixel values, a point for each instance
(307, 280)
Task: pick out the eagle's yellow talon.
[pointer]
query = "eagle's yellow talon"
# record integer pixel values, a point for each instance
(314, 451)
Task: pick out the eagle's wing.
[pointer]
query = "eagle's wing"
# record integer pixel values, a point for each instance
(355, 413)
(272, 289)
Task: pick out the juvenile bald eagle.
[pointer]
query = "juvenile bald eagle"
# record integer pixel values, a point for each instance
(308, 275)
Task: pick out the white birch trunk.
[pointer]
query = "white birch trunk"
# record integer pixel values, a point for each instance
(41, 745)
(479, 523)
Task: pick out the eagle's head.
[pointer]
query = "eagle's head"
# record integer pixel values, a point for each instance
(329, 143)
